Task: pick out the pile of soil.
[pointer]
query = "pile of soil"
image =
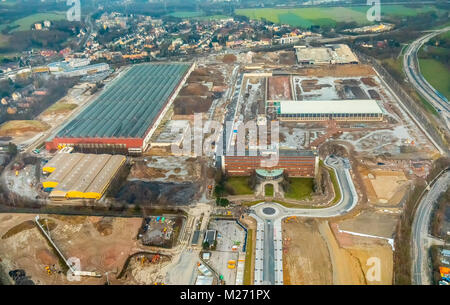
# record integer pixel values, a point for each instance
(229, 59)
(104, 226)
(158, 193)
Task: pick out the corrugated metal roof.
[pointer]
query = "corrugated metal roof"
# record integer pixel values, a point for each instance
(104, 177)
(77, 174)
(65, 166)
(127, 107)
(325, 107)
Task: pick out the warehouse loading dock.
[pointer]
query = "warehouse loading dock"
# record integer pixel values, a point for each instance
(77, 176)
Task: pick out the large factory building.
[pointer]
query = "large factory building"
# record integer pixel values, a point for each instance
(124, 117)
(295, 163)
(80, 176)
(341, 110)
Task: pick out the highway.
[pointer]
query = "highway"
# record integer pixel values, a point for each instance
(412, 71)
(421, 240)
(270, 214)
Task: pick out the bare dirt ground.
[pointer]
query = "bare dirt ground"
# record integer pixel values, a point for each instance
(167, 169)
(306, 260)
(201, 88)
(384, 187)
(279, 88)
(142, 271)
(23, 131)
(313, 253)
(287, 58)
(376, 223)
(338, 71)
(350, 261)
(101, 244)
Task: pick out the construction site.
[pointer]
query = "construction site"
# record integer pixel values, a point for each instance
(160, 231)
(341, 107)
(126, 114)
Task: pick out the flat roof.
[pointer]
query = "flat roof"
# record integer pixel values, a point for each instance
(83, 173)
(173, 131)
(106, 174)
(129, 105)
(330, 107)
(65, 165)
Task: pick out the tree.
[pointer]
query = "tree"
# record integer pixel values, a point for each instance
(137, 208)
(252, 180)
(223, 202)
(205, 245)
(12, 149)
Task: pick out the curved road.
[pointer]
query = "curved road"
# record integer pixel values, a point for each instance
(421, 240)
(412, 71)
(268, 258)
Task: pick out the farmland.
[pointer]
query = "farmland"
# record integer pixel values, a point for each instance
(24, 24)
(433, 61)
(306, 17)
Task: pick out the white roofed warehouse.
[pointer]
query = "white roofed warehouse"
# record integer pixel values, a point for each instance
(339, 110)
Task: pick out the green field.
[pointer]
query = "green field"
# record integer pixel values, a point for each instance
(24, 24)
(186, 14)
(300, 188)
(305, 17)
(268, 190)
(437, 74)
(433, 62)
(248, 259)
(196, 15)
(239, 185)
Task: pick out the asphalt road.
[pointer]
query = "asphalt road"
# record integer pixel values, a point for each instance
(269, 260)
(421, 240)
(272, 245)
(412, 70)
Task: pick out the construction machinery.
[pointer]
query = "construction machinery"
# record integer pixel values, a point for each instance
(49, 271)
(155, 258)
(144, 260)
(290, 218)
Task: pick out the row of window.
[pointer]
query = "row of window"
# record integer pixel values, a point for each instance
(326, 115)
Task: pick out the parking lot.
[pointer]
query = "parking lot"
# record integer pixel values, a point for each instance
(229, 235)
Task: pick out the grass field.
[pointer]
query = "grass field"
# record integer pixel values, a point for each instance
(196, 15)
(433, 66)
(17, 127)
(305, 17)
(437, 74)
(186, 14)
(248, 259)
(3, 40)
(24, 24)
(239, 185)
(59, 108)
(268, 190)
(300, 188)
(334, 181)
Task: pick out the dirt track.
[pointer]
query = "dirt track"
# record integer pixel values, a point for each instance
(101, 244)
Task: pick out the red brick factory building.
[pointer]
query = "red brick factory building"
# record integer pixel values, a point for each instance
(296, 163)
(125, 115)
